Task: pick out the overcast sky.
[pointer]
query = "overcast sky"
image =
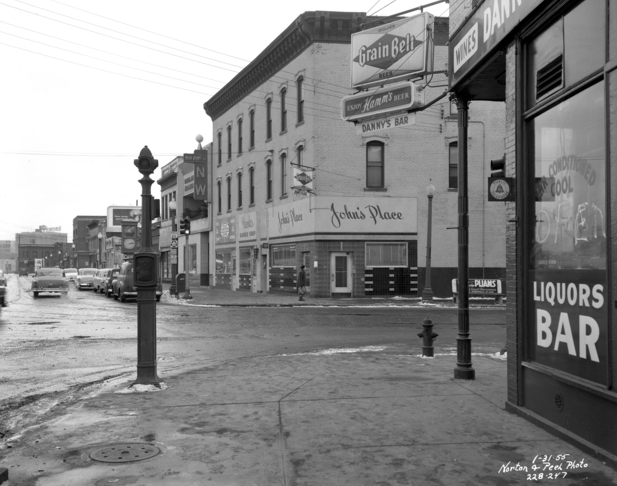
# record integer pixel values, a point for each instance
(85, 85)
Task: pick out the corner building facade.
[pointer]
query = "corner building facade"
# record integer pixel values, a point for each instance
(558, 59)
(361, 230)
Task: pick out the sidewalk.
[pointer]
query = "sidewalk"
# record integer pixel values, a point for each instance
(311, 419)
(244, 298)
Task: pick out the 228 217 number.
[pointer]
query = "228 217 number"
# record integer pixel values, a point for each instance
(540, 476)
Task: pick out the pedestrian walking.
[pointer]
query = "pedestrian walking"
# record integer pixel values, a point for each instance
(301, 286)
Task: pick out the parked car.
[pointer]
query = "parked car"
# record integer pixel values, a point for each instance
(3, 285)
(124, 285)
(84, 278)
(99, 279)
(111, 278)
(70, 274)
(49, 280)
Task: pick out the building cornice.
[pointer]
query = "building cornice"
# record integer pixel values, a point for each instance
(310, 27)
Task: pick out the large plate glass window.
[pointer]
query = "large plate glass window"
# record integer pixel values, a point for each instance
(567, 274)
(386, 254)
(284, 256)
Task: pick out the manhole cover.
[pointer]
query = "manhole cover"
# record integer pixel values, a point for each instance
(125, 452)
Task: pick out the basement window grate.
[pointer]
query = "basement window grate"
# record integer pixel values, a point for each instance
(549, 78)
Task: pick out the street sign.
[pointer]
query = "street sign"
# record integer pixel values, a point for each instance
(174, 244)
(174, 236)
(174, 252)
(200, 157)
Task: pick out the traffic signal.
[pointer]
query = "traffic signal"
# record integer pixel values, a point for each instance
(185, 226)
(498, 167)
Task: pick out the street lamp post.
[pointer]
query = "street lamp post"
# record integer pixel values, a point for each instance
(427, 292)
(100, 237)
(174, 251)
(73, 256)
(59, 257)
(146, 279)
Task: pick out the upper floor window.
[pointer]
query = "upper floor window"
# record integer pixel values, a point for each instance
(300, 107)
(375, 164)
(283, 110)
(218, 187)
(219, 137)
(252, 129)
(228, 142)
(268, 118)
(300, 155)
(268, 180)
(239, 189)
(453, 165)
(283, 174)
(252, 185)
(229, 194)
(239, 135)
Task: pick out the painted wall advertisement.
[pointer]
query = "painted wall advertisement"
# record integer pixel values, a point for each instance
(571, 322)
(356, 215)
(247, 226)
(225, 231)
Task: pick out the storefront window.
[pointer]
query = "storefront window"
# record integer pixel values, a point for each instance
(284, 256)
(568, 252)
(226, 261)
(386, 254)
(245, 261)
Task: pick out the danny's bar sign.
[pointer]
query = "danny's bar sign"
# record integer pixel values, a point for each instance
(484, 30)
(390, 52)
(378, 124)
(390, 99)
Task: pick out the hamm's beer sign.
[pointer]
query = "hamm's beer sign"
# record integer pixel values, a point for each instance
(390, 52)
(390, 99)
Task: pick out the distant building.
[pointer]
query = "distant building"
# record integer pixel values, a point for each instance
(39, 244)
(8, 256)
(81, 240)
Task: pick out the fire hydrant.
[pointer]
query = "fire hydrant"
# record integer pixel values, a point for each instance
(428, 336)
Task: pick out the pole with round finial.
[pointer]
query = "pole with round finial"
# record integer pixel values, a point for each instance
(145, 274)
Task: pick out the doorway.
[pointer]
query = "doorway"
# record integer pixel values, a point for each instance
(340, 274)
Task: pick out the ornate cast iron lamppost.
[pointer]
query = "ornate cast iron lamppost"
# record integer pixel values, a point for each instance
(464, 369)
(427, 292)
(145, 270)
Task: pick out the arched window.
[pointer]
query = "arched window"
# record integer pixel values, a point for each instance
(239, 189)
(229, 193)
(252, 129)
(375, 165)
(218, 187)
(283, 174)
(300, 107)
(283, 110)
(252, 185)
(219, 138)
(268, 180)
(239, 135)
(300, 155)
(268, 119)
(228, 142)
(453, 165)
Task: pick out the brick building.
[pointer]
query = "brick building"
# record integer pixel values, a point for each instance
(554, 64)
(49, 247)
(83, 254)
(362, 230)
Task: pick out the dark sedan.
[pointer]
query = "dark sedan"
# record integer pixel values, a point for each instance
(49, 280)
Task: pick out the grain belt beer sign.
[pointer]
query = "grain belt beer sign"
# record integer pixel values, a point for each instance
(391, 52)
(393, 98)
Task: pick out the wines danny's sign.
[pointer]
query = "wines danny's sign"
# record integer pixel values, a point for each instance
(360, 215)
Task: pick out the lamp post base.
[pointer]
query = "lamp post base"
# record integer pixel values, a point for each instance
(464, 374)
(427, 294)
(187, 295)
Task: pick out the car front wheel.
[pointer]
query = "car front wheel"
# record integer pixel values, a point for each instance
(122, 297)
(115, 296)
(36, 294)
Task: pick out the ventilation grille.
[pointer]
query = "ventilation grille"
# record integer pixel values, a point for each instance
(549, 78)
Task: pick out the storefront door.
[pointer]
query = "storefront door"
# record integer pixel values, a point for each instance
(340, 273)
